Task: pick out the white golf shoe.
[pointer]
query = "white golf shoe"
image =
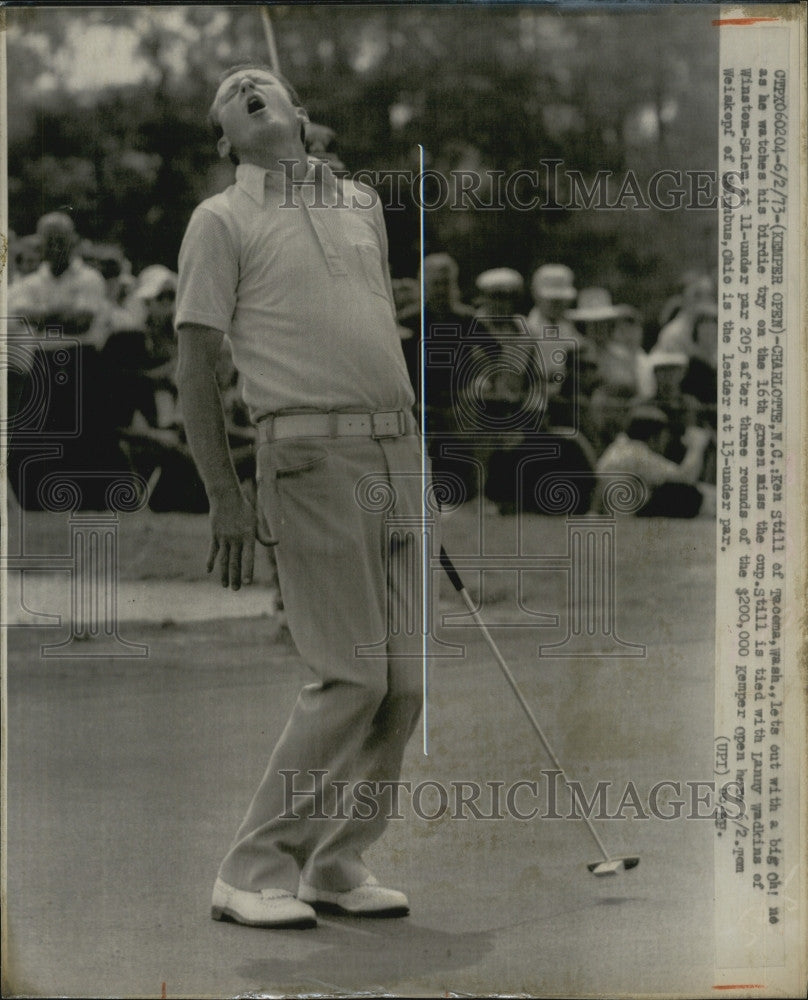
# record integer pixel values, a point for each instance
(266, 908)
(367, 900)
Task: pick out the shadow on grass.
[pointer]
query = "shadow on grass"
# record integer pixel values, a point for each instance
(361, 954)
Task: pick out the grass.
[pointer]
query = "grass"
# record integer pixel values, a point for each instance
(665, 568)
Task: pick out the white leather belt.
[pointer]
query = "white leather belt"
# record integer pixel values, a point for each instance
(385, 424)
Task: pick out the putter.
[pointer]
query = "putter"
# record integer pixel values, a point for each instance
(608, 865)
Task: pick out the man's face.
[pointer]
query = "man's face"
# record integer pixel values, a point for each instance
(499, 303)
(629, 333)
(439, 287)
(28, 259)
(57, 247)
(252, 108)
(551, 308)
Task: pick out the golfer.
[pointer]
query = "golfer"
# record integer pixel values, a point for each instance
(290, 265)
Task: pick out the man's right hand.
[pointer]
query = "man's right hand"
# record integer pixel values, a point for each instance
(233, 530)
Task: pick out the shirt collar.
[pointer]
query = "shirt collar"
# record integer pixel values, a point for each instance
(254, 180)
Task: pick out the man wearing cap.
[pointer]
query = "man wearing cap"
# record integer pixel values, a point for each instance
(510, 383)
(291, 266)
(553, 290)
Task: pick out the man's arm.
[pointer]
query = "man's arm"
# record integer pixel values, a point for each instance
(232, 518)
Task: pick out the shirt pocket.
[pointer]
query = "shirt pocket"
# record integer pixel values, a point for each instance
(372, 267)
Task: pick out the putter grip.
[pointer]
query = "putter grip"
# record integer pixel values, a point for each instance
(451, 572)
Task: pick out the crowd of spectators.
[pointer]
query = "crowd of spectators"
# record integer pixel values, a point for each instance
(91, 381)
(568, 393)
(527, 385)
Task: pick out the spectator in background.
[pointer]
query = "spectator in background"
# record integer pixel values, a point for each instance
(449, 353)
(694, 285)
(63, 291)
(596, 318)
(623, 373)
(109, 260)
(66, 294)
(140, 354)
(150, 421)
(321, 144)
(553, 290)
(26, 256)
(443, 312)
(680, 409)
(528, 443)
(701, 377)
(627, 341)
(513, 378)
(406, 293)
(698, 300)
(156, 292)
(672, 487)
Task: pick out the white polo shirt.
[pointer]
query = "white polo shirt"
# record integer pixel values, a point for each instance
(297, 279)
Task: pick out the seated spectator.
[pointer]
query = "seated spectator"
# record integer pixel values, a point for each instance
(698, 299)
(680, 409)
(624, 374)
(595, 318)
(63, 291)
(701, 377)
(406, 293)
(672, 487)
(65, 294)
(693, 283)
(449, 355)
(161, 453)
(150, 419)
(446, 319)
(141, 353)
(514, 377)
(26, 256)
(553, 290)
(156, 291)
(109, 260)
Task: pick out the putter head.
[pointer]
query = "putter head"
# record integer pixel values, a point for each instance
(613, 867)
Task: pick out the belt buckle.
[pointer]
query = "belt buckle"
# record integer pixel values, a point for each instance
(386, 419)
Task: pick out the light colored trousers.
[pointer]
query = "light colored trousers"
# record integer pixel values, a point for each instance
(347, 513)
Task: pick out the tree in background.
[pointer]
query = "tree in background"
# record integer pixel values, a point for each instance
(107, 114)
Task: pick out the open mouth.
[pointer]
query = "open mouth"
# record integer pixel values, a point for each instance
(254, 105)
